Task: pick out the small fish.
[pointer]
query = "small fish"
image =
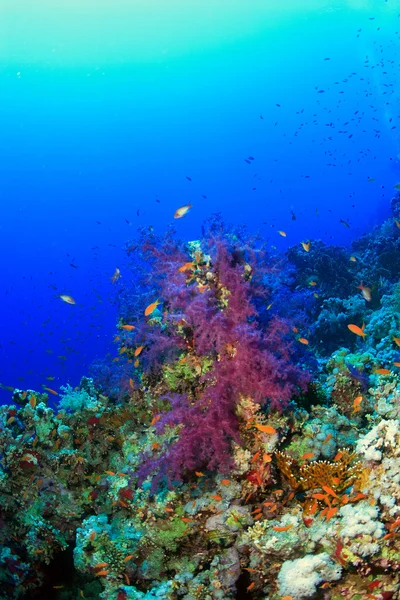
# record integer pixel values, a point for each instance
(225, 481)
(396, 340)
(357, 330)
(269, 306)
(186, 267)
(266, 429)
(397, 186)
(328, 437)
(136, 363)
(250, 587)
(181, 212)
(109, 473)
(282, 233)
(353, 259)
(58, 587)
(286, 528)
(306, 246)
(303, 341)
(50, 391)
(331, 512)
(92, 536)
(116, 276)
(138, 350)
(131, 383)
(199, 474)
(102, 573)
(345, 223)
(330, 491)
(129, 557)
(10, 420)
(312, 283)
(397, 223)
(217, 498)
(308, 455)
(151, 308)
(127, 327)
(67, 299)
(396, 364)
(32, 401)
(100, 565)
(382, 371)
(365, 291)
(356, 404)
(295, 330)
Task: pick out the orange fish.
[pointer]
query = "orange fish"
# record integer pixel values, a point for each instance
(397, 340)
(397, 223)
(295, 330)
(129, 557)
(396, 364)
(109, 473)
(225, 481)
(306, 246)
(92, 536)
(282, 233)
(186, 267)
(382, 371)
(357, 330)
(356, 403)
(181, 212)
(131, 383)
(151, 308)
(303, 341)
(10, 420)
(283, 528)
(338, 455)
(138, 350)
(32, 401)
(365, 291)
(102, 573)
(100, 565)
(331, 512)
(329, 491)
(312, 283)
(328, 437)
(67, 299)
(266, 429)
(250, 587)
(199, 474)
(217, 498)
(50, 391)
(127, 327)
(308, 455)
(136, 363)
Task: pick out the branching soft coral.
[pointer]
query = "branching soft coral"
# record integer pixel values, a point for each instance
(210, 291)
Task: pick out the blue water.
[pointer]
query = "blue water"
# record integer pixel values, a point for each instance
(114, 114)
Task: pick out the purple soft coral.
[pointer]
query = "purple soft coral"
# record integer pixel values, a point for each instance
(210, 313)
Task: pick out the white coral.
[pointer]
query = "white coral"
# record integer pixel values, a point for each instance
(299, 578)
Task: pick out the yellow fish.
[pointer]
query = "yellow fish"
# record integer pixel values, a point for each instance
(67, 299)
(181, 212)
(306, 246)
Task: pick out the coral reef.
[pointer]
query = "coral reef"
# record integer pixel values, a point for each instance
(234, 447)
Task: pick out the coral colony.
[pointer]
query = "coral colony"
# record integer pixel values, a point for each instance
(243, 442)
